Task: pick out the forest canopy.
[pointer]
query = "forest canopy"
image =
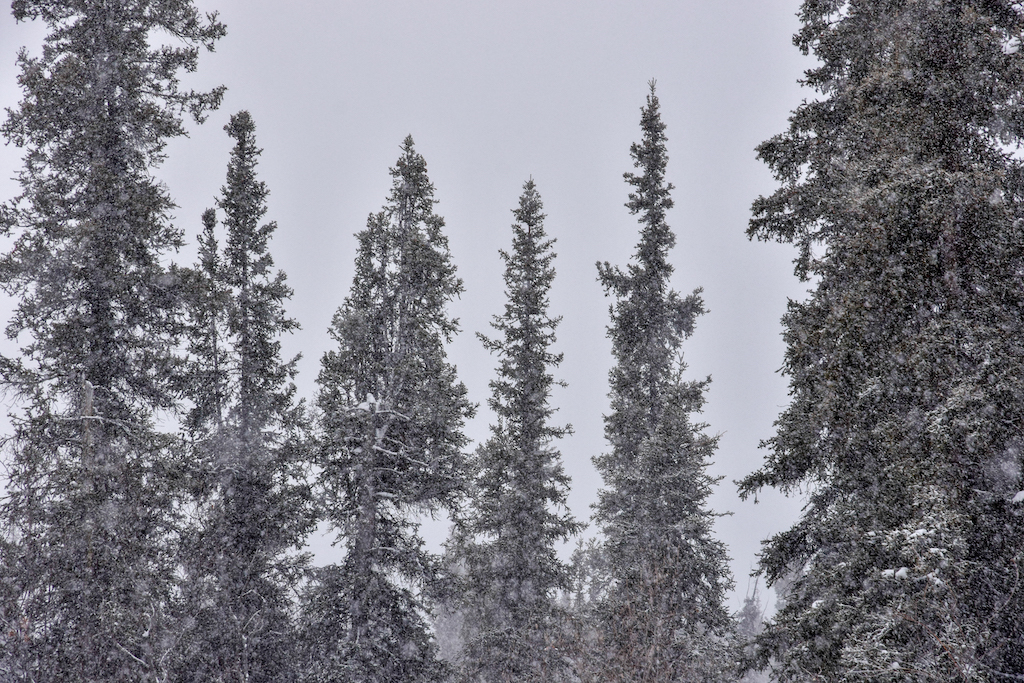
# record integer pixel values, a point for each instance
(165, 469)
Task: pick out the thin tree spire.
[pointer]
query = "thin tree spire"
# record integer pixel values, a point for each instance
(504, 544)
(668, 574)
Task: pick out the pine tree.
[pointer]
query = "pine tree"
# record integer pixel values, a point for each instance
(247, 432)
(206, 381)
(749, 624)
(905, 360)
(89, 510)
(664, 618)
(505, 543)
(392, 412)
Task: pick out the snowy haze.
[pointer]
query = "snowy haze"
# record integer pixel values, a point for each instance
(494, 93)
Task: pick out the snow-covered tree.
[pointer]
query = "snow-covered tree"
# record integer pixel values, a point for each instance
(749, 624)
(900, 188)
(246, 430)
(664, 618)
(206, 380)
(88, 516)
(504, 544)
(392, 411)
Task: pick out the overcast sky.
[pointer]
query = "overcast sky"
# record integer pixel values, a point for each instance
(494, 93)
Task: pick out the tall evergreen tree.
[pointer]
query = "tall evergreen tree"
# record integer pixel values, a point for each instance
(88, 514)
(905, 362)
(392, 412)
(206, 380)
(664, 619)
(246, 430)
(505, 543)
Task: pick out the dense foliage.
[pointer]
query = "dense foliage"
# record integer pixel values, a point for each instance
(161, 475)
(391, 442)
(504, 544)
(89, 516)
(663, 618)
(901, 191)
(246, 436)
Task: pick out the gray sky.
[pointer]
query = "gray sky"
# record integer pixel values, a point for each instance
(494, 93)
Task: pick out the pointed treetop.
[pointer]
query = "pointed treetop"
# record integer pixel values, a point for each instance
(526, 327)
(244, 201)
(412, 193)
(241, 128)
(651, 194)
(651, 198)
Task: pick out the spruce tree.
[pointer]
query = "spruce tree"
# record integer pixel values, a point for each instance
(391, 416)
(750, 623)
(246, 431)
(206, 377)
(899, 187)
(505, 543)
(89, 513)
(664, 618)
